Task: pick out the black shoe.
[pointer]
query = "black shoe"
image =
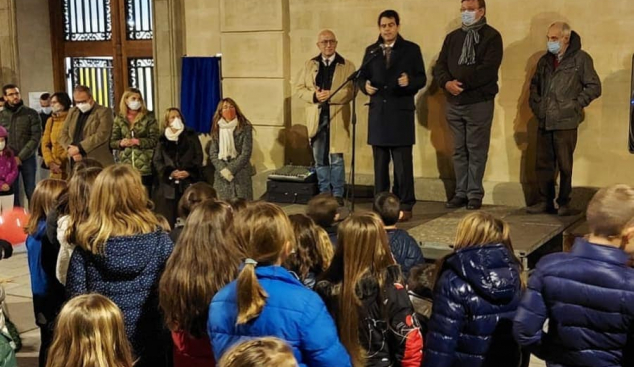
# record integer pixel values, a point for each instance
(474, 204)
(456, 202)
(540, 208)
(340, 201)
(407, 215)
(565, 211)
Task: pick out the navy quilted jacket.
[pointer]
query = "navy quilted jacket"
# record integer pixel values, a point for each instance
(475, 300)
(128, 273)
(405, 249)
(588, 298)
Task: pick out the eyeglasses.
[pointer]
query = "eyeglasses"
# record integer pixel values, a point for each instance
(328, 42)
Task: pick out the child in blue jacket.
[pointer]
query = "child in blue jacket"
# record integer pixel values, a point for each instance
(267, 300)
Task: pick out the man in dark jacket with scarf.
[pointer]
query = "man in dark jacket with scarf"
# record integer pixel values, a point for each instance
(586, 295)
(467, 68)
(564, 83)
(394, 72)
(25, 131)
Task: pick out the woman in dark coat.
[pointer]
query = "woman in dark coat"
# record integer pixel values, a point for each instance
(230, 152)
(177, 163)
(475, 299)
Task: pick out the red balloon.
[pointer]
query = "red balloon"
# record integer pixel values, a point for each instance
(12, 223)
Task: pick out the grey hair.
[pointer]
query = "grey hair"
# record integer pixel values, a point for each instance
(323, 31)
(83, 88)
(565, 28)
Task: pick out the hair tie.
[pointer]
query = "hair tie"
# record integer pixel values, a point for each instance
(250, 261)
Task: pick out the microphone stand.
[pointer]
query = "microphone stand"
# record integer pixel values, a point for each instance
(351, 78)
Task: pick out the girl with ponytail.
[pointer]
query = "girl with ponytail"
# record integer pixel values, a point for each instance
(267, 300)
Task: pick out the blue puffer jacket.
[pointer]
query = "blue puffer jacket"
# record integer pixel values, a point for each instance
(588, 298)
(128, 273)
(292, 313)
(474, 303)
(405, 249)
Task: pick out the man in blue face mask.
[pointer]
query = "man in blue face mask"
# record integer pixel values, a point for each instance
(467, 69)
(564, 83)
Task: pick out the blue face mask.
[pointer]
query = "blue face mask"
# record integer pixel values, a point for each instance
(468, 17)
(554, 47)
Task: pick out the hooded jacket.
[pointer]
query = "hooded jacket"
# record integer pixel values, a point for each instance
(559, 95)
(292, 312)
(475, 300)
(127, 272)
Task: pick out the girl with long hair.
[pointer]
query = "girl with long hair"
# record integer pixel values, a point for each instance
(90, 333)
(230, 151)
(261, 352)
(204, 260)
(267, 300)
(477, 291)
(135, 134)
(364, 293)
(177, 161)
(121, 253)
(48, 294)
(313, 251)
(79, 187)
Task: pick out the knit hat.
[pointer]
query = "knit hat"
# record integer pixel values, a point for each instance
(3, 132)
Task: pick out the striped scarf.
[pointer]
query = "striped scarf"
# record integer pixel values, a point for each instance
(468, 56)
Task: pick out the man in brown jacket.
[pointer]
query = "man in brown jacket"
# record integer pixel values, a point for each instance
(86, 132)
(328, 123)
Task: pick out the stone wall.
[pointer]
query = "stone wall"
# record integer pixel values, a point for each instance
(263, 54)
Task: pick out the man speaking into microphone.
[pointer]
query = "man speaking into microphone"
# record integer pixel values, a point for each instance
(392, 74)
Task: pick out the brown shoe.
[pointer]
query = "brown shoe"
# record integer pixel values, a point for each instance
(407, 215)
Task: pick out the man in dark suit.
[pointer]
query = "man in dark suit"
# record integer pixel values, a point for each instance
(393, 73)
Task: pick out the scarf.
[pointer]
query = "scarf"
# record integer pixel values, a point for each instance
(468, 55)
(172, 136)
(226, 145)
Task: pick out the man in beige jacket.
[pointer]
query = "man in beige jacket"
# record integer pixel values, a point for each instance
(87, 129)
(328, 123)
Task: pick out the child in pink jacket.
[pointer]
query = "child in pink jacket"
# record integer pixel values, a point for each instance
(8, 172)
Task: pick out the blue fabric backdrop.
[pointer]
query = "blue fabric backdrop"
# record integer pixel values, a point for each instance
(200, 91)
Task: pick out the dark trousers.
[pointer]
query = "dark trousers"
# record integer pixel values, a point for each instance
(555, 151)
(471, 127)
(403, 173)
(27, 171)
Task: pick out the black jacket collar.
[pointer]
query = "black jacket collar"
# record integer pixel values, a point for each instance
(397, 43)
(338, 59)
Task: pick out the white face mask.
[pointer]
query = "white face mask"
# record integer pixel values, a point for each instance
(56, 108)
(1, 108)
(2, 145)
(134, 105)
(84, 107)
(46, 110)
(177, 124)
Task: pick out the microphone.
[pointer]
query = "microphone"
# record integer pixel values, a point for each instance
(376, 49)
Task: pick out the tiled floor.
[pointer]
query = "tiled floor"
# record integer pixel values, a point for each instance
(14, 275)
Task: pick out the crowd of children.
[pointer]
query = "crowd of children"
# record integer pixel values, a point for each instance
(239, 284)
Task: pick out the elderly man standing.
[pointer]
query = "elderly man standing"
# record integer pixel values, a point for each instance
(467, 69)
(564, 83)
(25, 131)
(328, 123)
(86, 132)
